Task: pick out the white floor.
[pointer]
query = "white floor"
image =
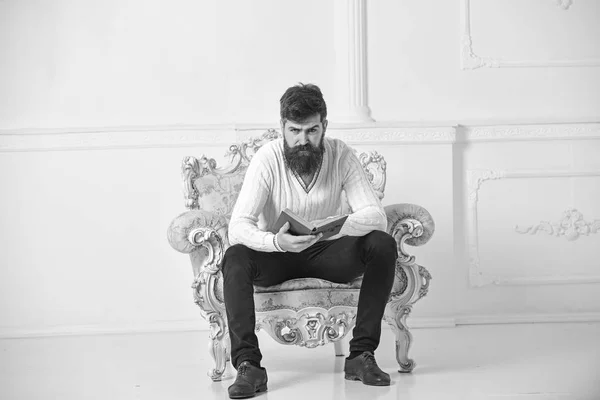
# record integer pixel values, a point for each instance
(527, 361)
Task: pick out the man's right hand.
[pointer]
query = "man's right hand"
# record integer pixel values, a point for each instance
(295, 244)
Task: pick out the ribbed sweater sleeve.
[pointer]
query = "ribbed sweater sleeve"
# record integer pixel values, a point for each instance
(243, 225)
(367, 212)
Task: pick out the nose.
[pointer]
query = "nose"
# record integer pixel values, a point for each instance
(302, 139)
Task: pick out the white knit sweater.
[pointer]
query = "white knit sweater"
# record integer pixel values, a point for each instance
(269, 187)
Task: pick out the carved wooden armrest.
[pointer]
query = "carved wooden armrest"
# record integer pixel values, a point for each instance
(204, 235)
(193, 229)
(413, 225)
(410, 224)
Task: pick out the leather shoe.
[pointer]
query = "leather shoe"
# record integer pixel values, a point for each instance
(249, 381)
(364, 368)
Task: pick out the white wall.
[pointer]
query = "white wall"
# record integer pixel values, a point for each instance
(83, 63)
(99, 102)
(416, 51)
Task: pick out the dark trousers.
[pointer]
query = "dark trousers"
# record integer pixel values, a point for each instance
(340, 260)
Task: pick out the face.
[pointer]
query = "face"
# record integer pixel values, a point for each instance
(303, 144)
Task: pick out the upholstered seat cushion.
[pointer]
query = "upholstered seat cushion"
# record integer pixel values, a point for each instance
(297, 294)
(308, 283)
(297, 300)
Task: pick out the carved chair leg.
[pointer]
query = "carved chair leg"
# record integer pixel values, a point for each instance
(339, 348)
(218, 345)
(403, 338)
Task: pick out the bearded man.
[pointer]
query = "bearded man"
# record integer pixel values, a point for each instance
(308, 173)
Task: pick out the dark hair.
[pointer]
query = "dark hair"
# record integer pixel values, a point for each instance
(302, 101)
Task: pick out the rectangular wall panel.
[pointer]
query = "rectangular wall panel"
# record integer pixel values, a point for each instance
(524, 228)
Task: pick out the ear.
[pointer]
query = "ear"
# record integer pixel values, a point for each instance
(282, 123)
(324, 125)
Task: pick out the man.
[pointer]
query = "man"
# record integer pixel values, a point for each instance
(306, 172)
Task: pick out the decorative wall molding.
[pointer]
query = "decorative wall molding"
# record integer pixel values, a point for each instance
(166, 136)
(404, 135)
(103, 138)
(564, 4)
(533, 132)
(475, 178)
(113, 138)
(477, 276)
(471, 60)
(571, 226)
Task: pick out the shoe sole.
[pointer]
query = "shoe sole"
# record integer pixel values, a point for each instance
(351, 377)
(261, 388)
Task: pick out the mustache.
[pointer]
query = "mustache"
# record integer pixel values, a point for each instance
(306, 147)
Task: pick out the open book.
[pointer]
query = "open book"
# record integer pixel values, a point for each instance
(299, 226)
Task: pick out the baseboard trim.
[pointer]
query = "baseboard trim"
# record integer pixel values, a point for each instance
(527, 318)
(200, 326)
(428, 322)
(91, 330)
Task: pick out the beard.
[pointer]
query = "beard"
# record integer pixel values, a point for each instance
(304, 160)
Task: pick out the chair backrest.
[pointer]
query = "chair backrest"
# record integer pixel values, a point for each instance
(211, 188)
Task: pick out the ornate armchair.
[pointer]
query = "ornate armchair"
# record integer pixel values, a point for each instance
(303, 312)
